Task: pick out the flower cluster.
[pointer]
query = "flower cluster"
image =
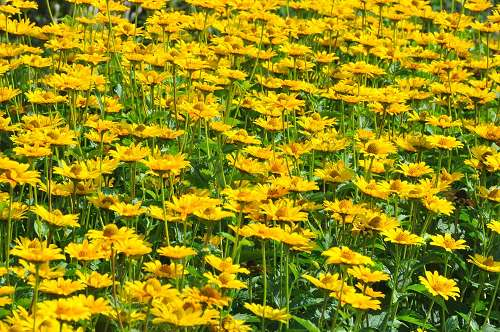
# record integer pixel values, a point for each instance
(233, 165)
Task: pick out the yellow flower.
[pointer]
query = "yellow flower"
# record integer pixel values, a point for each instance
(400, 236)
(176, 252)
(334, 172)
(206, 294)
(327, 281)
(224, 280)
(494, 225)
(130, 153)
(283, 210)
(36, 251)
(438, 205)
(415, 169)
(86, 251)
(438, 285)
(128, 210)
(366, 275)
(95, 279)
(187, 204)
(77, 171)
(361, 301)
(444, 142)
(15, 173)
(213, 213)
(180, 313)
(111, 234)
(33, 151)
(67, 309)
(7, 93)
(268, 312)
(225, 265)
(134, 246)
(344, 255)
(166, 164)
(172, 270)
(377, 148)
(61, 286)
(485, 263)
(447, 242)
(97, 306)
(145, 291)
(55, 217)
(371, 188)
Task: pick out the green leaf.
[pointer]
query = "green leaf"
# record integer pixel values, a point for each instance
(246, 243)
(4, 313)
(412, 319)
(228, 236)
(307, 324)
(419, 288)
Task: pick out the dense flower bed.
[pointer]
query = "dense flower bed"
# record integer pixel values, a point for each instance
(238, 165)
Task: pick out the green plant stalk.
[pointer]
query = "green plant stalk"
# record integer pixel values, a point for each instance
(9, 231)
(264, 281)
(164, 209)
(337, 308)
(429, 313)
(35, 294)
(493, 300)
(476, 300)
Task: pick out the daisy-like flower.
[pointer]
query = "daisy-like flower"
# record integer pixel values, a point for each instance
(494, 225)
(268, 312)
(224, 280)
(111, 234)
(366, 275)
(377, 148)
(130, 153)
(61, 286)
(444, 142)
(163, 165)
(344, 255)
(327, 281)
(183, 313)
(78, 171)
(225, 265)
(438, 285)
(283, 210)
(176, 252)
(55, 217)
(400, 236)
(172, 270)
(67, 309)
(361, 301)
(334, 172)
(128, 210)
(415, 169)
(95, 279)
(447, 242)
(36, 251)
(86, 251)
(438, 205)
(485, 263)
(145, 291)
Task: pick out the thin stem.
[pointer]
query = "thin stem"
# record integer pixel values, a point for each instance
(493, 301)
(264, 281)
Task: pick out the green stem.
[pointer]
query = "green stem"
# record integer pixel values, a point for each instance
(493, 301)
(35, 294)
(264, 281)
(429, 312)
